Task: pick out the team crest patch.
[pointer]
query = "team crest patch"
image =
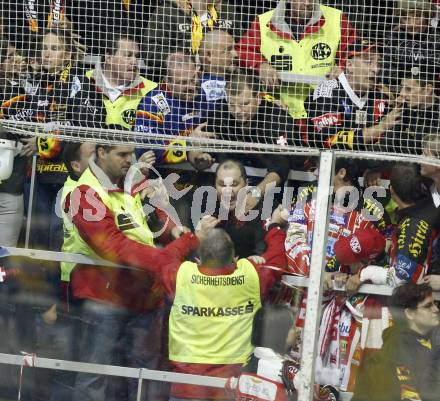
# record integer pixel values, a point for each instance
(214, 90)
(321, 51)
(129, 116)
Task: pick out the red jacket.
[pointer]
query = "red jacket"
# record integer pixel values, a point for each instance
(137, 290)
(120, 287)
(249, 52)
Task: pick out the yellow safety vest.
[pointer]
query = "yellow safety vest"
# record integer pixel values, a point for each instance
(123, 110)
(128, 215)
(315, 54)
(211, 317)
(69, 239)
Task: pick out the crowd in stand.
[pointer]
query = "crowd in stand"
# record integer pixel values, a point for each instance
(203, 249)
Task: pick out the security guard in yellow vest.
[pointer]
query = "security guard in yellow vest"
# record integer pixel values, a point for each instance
(119, 81)
(76, 159)
(299, 37)
(108, 221)
(210, 322)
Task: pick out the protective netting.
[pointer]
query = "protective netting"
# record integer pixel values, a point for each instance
(285, 76)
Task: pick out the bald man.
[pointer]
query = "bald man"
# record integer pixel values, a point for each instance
(219, 61)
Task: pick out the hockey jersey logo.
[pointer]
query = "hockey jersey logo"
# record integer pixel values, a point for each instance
(325, 89)
(327, 120)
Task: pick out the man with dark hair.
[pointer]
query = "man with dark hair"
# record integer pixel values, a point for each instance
(76, 159)
(412, 43)
(347, 112)
(250, 116)
(345, 219)
(413, 236)
(402, 369)
(420, 111)
(108, 221)
(118, 80)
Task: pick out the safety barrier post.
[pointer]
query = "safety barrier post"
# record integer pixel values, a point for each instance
(139, 389)
(31, 201)
(314, 293)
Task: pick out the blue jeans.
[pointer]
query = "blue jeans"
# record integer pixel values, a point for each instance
(113, 336)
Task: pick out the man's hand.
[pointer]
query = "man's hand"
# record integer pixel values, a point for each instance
(372, 134)
(433, 280)
(205, 224)
(29, 146)
(279, 216)
(50, 316)
(258, 260)
(149, 158)
(353, 284)
(178, 231)
(157, 192)
(334, 73)
(268, 75)
(392, 118)
(372, 178)
(339, 281)
(328, 281)
(200, 161)
(199, 133)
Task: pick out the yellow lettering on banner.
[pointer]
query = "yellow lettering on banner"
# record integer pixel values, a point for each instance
(416, 247)
(343, 138)
(402, 235)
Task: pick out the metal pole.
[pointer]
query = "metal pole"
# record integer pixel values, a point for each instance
(314, 293)
(31, 202)
(139, 390)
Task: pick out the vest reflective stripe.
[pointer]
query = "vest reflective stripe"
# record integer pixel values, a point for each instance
(211, 317)
(69, 239)
(314, 55)
(123, 110)
(128, 214)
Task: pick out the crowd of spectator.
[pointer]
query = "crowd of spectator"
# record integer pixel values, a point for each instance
(199, 238)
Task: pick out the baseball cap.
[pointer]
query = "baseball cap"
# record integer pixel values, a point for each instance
(360, 47)
(364, 244)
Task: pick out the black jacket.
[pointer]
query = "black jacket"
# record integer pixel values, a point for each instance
(408, 135)
(266, 127)
(10, 95)
(169, 31)
(337, 116)
(64, 99)
(401, 370)
(404, 53)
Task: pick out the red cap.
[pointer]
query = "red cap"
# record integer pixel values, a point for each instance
(364, 244)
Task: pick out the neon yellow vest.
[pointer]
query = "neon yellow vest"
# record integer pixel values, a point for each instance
(69, 238)
(211, 317)
(128, 214)
(123, 110)
(313, 55)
